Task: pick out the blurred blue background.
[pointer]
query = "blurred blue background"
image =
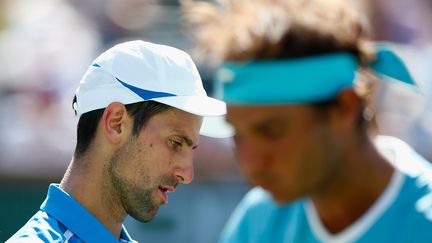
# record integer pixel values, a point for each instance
(45, 48)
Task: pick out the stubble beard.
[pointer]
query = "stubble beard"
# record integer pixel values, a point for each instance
(136, 200)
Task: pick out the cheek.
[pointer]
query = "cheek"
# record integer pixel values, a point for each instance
(290, 162)
(158, 157)
(303, 161)
(142, 159)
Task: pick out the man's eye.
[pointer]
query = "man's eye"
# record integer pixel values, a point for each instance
(175, 143)
(272, 132)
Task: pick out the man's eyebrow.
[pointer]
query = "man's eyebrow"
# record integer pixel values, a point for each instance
(274, 120)
(270, 123)
(186, 138)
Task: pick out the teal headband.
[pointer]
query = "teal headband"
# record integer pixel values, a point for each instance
(301, 80)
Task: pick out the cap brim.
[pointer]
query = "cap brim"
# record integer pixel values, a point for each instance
(216, 127)
(213, 111)
(198, 105)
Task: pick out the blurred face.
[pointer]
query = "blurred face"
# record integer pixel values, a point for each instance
(150, 165)
(288, 150)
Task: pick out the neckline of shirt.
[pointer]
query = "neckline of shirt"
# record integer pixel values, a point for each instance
(359, 227)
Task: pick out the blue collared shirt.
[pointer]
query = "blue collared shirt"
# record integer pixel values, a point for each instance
(62, 219)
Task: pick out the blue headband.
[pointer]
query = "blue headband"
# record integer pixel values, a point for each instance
(301, 80)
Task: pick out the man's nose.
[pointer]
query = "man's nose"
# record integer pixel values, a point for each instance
(184, 171)
(253, 155)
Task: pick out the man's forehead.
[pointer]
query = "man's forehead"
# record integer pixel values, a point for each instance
(258, 110)
(253, 115)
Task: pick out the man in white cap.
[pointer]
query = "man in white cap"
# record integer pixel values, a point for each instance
(141, 107)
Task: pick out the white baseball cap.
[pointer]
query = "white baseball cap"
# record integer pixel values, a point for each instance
(137, 71)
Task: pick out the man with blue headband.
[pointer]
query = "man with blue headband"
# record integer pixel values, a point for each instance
(298, 78)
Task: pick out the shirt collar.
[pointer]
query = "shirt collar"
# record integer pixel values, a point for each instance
(75, 217)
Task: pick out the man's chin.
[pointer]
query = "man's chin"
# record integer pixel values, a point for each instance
(146, 217)
(281, 199)
(145, 220)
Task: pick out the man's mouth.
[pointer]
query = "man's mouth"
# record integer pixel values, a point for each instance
(164, 190)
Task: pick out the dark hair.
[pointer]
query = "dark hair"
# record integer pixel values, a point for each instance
(322, 108)
(88, 122)
(277, 29)
(280, 29)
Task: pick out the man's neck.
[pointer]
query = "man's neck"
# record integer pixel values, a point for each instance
(354, 190)
(86, 185)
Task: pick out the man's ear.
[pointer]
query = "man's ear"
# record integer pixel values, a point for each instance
(115, 122)
(348, 109)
